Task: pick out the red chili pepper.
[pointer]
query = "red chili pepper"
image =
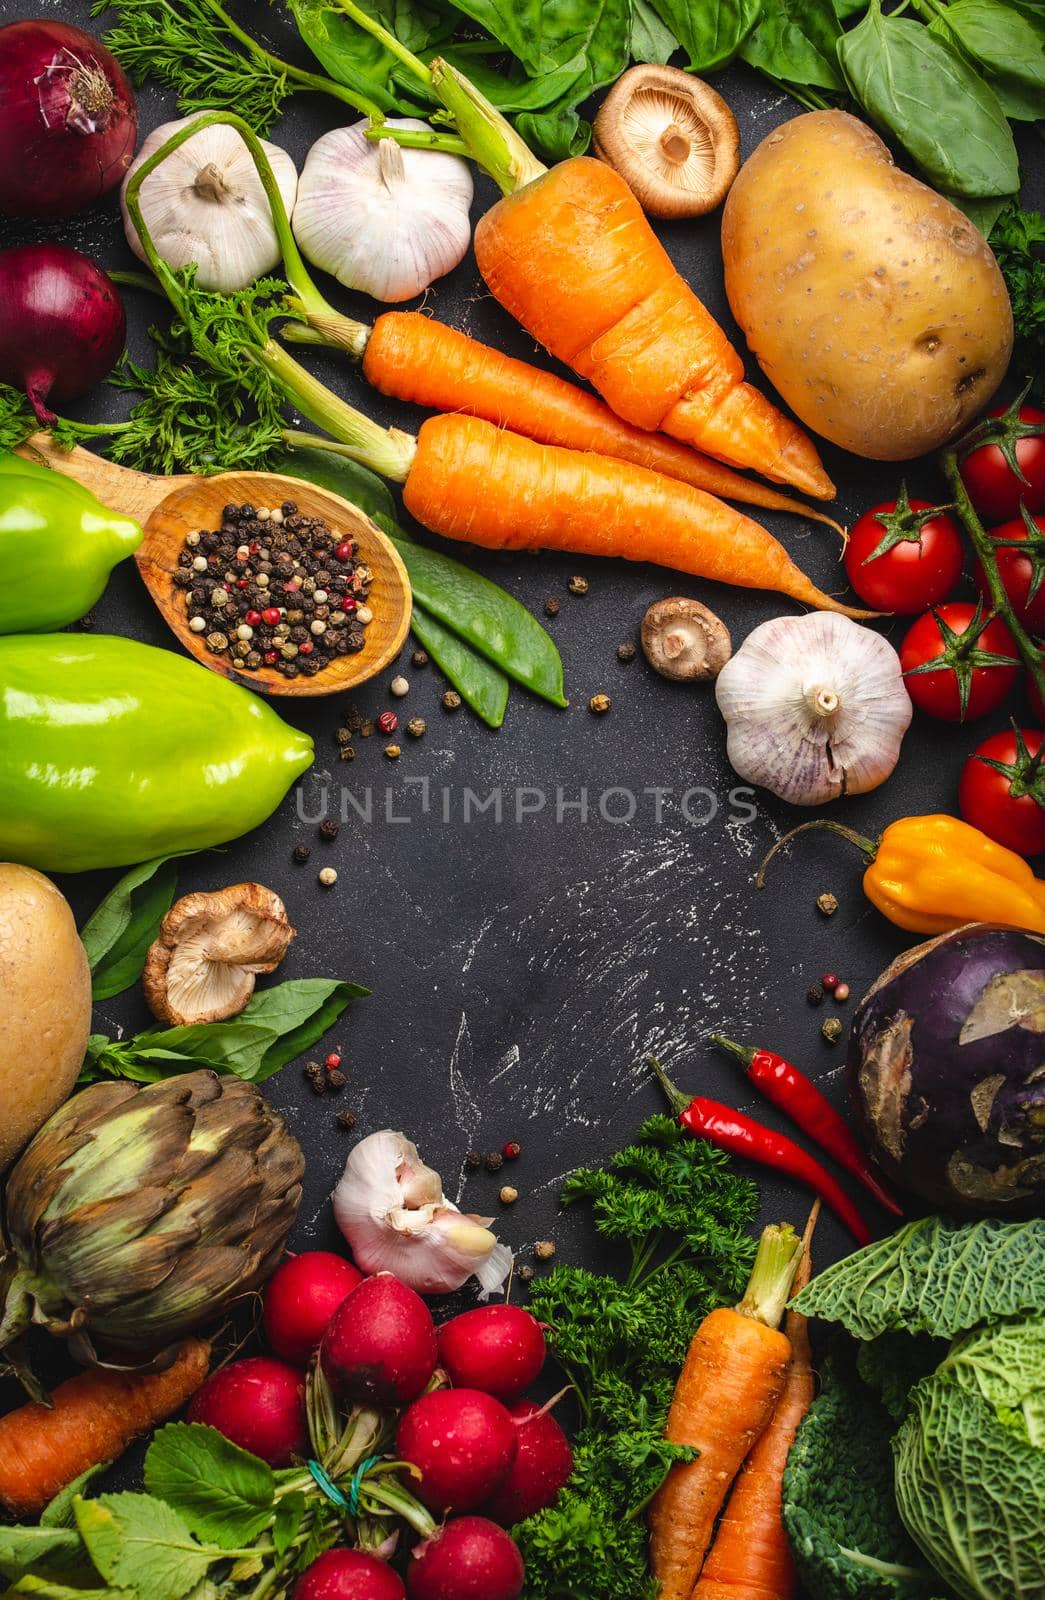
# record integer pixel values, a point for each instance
(793, 1093)
(730, 1130)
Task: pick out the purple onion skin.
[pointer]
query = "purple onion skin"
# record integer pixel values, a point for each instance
(962, 1125)
(68, 120)
(62, 324)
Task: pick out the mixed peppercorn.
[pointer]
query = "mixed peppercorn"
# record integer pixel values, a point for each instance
(275, 588)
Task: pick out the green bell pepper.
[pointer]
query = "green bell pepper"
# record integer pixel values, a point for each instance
(58, 545)
(113, 752)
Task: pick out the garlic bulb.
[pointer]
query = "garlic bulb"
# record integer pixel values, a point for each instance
(815, 707)
(394, 1215)
(381, 218)
(205, 203)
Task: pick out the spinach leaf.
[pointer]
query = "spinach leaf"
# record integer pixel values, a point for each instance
(796, 41)
(710, 33)
(514, 93)
(651, 40)
(982, 213)
(356, 59)
(224, 1494)
(119, 932)
(934, 1276)
(559, 132)
(298, 1013)
(545, 34)
(1004, 43)
(926, 95)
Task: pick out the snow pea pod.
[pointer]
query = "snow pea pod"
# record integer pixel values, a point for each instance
(480, 684)
(113, 752)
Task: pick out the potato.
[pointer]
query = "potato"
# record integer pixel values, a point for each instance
(873, 306)
(45, 1003)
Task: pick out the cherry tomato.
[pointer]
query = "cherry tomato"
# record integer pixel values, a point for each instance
(1022, 571)
(1002, 790)
(968, 679)
(994, 488)
(904, 555)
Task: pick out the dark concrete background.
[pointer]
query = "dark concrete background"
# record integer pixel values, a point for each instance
(522, 971)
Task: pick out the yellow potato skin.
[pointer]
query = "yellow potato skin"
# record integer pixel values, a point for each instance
(873, 306)
(45, 1003)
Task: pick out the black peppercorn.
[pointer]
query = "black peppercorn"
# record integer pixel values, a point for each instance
(525, 1273)
(336, 1079)
(552, 607)
(815, 994)
(494, 1161)
(300, 854)
(473, 1161)
(328, 829)
(626, 651)
(419, 658)
(346, 1119)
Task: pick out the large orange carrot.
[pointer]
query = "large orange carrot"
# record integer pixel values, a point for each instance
(750, 1558)
(93, 1418)
(472, 481)
(416, 358)
(730, 1383)
(573, 258)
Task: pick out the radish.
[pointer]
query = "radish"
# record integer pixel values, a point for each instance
(499, 1349)
(542, 1464)
(380, 1347)
(469, 1559)
(349, 1575)
(301, 1298)
(463, 1441)
(260, 1405)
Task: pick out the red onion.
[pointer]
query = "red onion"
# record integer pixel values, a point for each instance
(62, 323)
(67, 120)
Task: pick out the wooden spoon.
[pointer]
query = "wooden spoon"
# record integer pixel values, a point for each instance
(169, 508)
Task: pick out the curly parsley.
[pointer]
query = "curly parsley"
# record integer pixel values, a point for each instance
(1018, 241)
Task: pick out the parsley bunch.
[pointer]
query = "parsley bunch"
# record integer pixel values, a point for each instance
(681, 1214)
(1018, 241)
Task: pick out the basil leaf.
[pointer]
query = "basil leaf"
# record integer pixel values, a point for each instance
(710, 33)
(118, 934)
(1004, 42)
(224, 1494)
(234, 1046)
(297, 1014)
(927, 96)
(651, 39)
(137, 1541)
(796, 41)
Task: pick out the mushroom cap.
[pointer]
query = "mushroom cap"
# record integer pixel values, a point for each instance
(683, 640)
(671, 137)
(202, 965)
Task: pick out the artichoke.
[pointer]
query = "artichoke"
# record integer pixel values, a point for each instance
(138, 1214)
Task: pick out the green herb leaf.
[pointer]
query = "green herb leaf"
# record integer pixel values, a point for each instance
(1004, 43)
(61, 1512)
(651, 39)
(796, 41)
(224, 1494)
(920, 90)
(358, 60)
(934, 1276)
(712, 33)
(290, 1514)
(234, 1047)
(298, 1013)
(1018, 241)
(139, 1542)
(38, 1550)
(118, 934)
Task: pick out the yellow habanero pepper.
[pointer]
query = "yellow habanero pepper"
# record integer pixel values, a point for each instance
(931, 874)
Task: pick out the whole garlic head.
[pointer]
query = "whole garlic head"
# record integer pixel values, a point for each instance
(815, 708)
(381, 218)
(205, 203)
(392, 1211)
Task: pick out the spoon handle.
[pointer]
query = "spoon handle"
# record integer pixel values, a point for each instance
(133, 494)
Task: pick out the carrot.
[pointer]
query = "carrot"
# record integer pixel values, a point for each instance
(730, 1383)
(573, 258)
(750, 1558)
(415, 358)
(469, 480)
(92, 1419)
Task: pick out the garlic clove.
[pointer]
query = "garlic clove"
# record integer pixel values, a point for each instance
(205, 204)
(380, 218)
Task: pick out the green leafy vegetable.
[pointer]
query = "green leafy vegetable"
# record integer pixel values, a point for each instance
(927, 96)
(224, 1495)
(934, 1276)
(651, 39)
(893, 1363)
(710, 34)
(796, 41)
(118, 934)
(138, 1542)
(61, 1511)
(37, 1550)
(679, 1213)
(1018, 241)
(358, 60)
(838, 1504)
(1008, 46)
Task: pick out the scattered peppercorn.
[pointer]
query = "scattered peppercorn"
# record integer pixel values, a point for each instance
(552, 607)
(451, 700)
(826, 904)
(830, 981)
(815, 994)
(578, 585)
(318, 1085)
(347, 753)
(512, 1150)
(346, 1119)
(367, 729)
(300, 854)
(544, 1249)
(399, 686)
(312, 1069)
(841, 993)
(328, 829)
(473, 1160)
(494, 1161)
(525, 1273)
(508, 1196)
(419, 658)
(332, 1060)
(417, 727)
(626, 651)
(336, 1080)
(599, 704)
(832, 1030)
(387, 722)
(328, 877)
(393, 751)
